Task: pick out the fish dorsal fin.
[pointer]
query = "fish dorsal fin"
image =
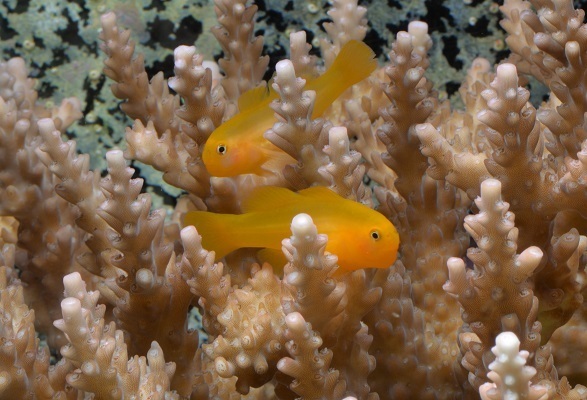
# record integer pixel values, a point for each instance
(320, 193)
(268, 198)
(251, 98)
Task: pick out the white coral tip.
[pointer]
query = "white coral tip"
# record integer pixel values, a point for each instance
(417, 28)
(285, 70)
(506, 343)
(302, 225)
(338, 136)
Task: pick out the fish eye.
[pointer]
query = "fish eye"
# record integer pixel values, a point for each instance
(375, 235)
(221, 149)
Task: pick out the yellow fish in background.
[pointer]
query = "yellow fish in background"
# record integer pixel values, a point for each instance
(359, 236)
(238, 146)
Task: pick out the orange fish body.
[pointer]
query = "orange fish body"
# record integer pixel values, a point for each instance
(359, 236)
(238, 146)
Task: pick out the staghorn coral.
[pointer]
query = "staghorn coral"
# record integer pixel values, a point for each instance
(111, 283)
(508, 372)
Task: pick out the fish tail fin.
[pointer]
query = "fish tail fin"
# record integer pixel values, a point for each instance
(216, 231)
(355, 62)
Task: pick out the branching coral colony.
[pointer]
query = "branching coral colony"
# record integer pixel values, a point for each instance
(86, 262)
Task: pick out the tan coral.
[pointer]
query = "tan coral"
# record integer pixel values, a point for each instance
(99, 353)
(510, 375)
(303, 347)
(250, 341)
(497, 293)
(308, 330)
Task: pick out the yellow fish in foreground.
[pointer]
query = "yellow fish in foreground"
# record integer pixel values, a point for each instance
(359, 236)
(238, 146)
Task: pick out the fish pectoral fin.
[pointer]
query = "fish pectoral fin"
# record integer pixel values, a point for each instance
(276, 161)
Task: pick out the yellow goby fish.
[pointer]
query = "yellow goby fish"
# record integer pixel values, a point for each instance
(238, 146)
(359, 236)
